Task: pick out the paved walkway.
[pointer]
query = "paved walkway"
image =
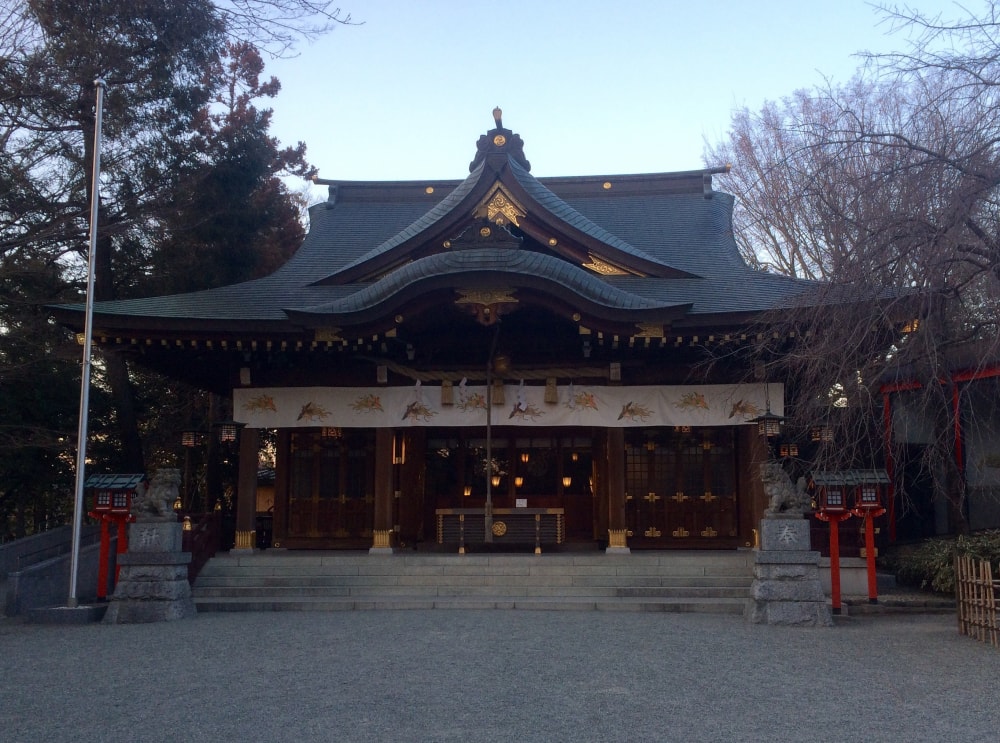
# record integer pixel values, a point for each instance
(497, 676)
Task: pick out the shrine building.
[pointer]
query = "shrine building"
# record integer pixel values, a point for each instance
(497, 362)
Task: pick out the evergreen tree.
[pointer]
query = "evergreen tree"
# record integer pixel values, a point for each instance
(187, 169)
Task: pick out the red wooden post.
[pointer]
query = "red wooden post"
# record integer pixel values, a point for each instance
(833, 509)
(834, 518)
(868, 505)
(890, 464)
(870, 558)
(102, 560)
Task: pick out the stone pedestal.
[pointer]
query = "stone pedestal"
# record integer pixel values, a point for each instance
(786, 587)
(153, 583)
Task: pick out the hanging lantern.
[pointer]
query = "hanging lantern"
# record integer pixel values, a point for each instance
(822, 433)
(228, 431)
(768, 424)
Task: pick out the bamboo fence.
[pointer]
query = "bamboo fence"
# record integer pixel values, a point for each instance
(976, 598)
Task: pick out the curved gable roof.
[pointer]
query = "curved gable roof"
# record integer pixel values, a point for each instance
(454, 213)
(513, 269)
(373, 245)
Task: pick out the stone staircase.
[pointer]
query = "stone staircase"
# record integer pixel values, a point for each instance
(716, 582)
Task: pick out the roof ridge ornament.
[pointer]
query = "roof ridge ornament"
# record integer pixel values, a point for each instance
(500, 142)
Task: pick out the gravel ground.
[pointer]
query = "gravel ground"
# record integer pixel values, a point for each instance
(497, 676)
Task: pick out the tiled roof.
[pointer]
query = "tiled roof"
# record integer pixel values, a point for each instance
(422, 223)
(669, 220)
(567, 214)
(521, 268)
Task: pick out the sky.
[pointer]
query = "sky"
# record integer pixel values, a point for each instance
(593, 88)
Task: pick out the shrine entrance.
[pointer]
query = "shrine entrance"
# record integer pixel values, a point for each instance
(544, 469)
(681, 487)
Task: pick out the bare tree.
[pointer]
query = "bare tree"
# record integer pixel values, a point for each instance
(888, 190)
(276, 26)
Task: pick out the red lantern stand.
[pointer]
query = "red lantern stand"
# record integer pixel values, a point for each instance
(833, 509)
(113, 496)
(868, 506)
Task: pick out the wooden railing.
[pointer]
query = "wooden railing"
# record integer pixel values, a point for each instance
(976, 593)
(202, 541)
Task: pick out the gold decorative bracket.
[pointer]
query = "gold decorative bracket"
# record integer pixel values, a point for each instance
(501, 208)
(327, 335)
(603, 267)
(487, 304)
(649, 330)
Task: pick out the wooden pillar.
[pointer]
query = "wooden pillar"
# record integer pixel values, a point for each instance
(616, 490)
(282, 463)
(385, 491)
(410, 500)
(600, 503)
(751, 499)
(246, 490)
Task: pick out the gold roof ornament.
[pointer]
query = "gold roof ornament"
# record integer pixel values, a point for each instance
(603, 267)
(500, 208)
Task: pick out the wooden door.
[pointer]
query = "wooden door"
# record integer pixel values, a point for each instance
(330, 487)
(681, 487)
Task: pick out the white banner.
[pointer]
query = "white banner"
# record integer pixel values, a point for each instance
(524, 405)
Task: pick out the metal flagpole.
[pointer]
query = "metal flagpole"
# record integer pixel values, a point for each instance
(81, 435)
(488, 515)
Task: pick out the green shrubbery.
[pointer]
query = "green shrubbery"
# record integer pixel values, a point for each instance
(931, 563)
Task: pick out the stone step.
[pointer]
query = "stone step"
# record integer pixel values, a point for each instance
(430, 590)
(319, 581)
(714, 606)
(468, 564)
(337, 581)
(695, 561)
(731, 591)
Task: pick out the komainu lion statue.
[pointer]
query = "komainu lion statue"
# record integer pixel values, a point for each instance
(782, 496)
(155, 501)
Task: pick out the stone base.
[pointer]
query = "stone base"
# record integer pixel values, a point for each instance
(83, 614)
(795, 613)
(152, 587)
(617, 551)
(380, 551)
(786, 589)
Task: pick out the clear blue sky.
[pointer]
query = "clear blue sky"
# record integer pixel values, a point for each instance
(592, 87)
